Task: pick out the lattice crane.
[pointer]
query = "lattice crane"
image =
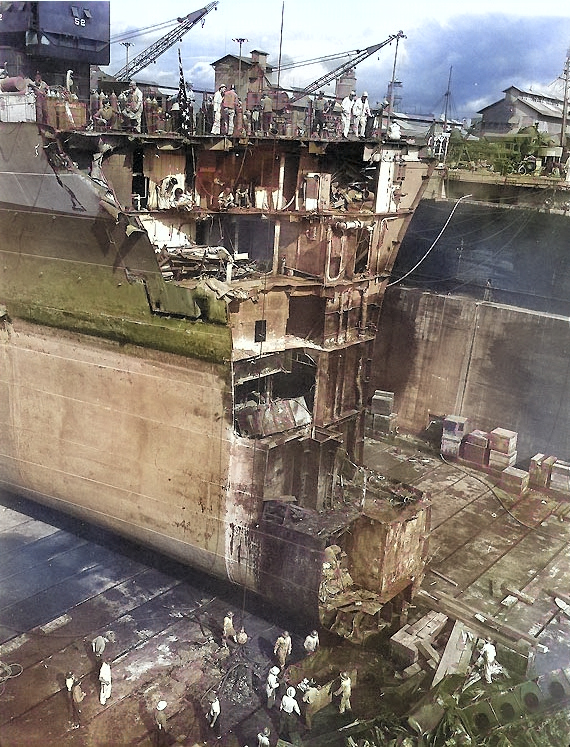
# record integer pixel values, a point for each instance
(164, 43)
(338, 71)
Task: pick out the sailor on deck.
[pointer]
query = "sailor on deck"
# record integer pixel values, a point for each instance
(271, 686)
(217, 101)
(361, 112)
(346, 112)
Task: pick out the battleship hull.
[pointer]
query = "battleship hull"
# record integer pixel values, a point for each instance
(95, 421)
(205, 420)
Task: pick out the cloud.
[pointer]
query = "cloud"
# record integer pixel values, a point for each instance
(487, 54)
(487, 51)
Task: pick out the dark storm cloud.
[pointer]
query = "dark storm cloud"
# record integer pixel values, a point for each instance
(487, 53)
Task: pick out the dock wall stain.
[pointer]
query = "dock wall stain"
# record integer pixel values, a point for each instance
(498, 365)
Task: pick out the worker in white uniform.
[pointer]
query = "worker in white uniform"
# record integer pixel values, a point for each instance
(487, 658)
(217, 101)
(311, 643)
(288, 708)
(346, 112)
(271, 686)
(263, 737)
(344, 691)
(105, 680)
(282, 648)
(360, 113)
(98, 645)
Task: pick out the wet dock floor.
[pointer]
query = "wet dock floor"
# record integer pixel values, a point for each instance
(62, 583)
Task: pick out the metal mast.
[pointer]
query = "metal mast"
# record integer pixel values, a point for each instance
(399, 36)
(565, 101)
(447, 97)
(164, 43)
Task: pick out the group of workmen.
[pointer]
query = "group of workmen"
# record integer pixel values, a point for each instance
(289, 709)
(119, 112)
(230, 118)
(354, 114)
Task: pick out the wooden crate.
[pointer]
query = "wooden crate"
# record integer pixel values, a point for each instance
(476, 454)
(455, 425)
(539, 470)
(478, 438)
(514, 480)
(499, 460)
(500, 439)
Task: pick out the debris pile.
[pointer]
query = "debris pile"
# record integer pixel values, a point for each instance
(347, 610)
(189, 262)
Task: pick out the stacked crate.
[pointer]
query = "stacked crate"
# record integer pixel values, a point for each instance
(476, 448)
(514, 480)
(560, 476)
(540, 469)
(455, 428)
(503, 448)
(381, 420)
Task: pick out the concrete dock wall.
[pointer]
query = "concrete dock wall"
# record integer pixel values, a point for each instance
(498, 365)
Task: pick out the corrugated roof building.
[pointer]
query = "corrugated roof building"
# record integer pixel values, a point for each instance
(520, 109)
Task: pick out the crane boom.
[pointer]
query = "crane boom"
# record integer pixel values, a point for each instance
(326, 58)
(164, 43)
(338, 71)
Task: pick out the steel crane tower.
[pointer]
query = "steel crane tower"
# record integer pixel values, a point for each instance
(164, 43)
(338, 71)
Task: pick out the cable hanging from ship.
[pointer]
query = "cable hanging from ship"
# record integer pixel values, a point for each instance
(437, 238)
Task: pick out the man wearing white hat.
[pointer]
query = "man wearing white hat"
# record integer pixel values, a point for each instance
(160, 722)
(346, 112)
(361, 112)
(271, 686)
(288, 708)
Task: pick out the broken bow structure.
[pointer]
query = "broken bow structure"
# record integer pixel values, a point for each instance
(187, 348)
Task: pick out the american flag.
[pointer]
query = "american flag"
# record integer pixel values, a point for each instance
(185, 114)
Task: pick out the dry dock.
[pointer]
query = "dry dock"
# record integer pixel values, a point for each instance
(63, 582)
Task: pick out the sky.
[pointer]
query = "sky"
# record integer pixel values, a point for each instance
(485, 47)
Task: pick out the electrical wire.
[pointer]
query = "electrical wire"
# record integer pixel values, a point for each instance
(440, 234)
(8, 672)
(139, 32)
(470, 473)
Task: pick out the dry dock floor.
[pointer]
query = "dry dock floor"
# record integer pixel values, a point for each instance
(483, 539)
(62, 583)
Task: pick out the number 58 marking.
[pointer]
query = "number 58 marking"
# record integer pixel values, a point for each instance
(78, 21)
